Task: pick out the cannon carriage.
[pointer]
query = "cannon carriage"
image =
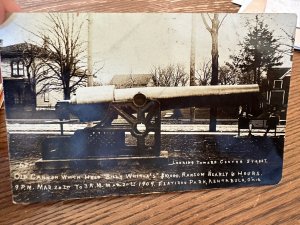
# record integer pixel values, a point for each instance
(141, 109)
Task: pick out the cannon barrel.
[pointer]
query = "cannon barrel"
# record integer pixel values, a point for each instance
(91, 103)
(106, 94)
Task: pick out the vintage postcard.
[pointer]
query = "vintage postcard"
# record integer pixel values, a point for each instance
(129, 103)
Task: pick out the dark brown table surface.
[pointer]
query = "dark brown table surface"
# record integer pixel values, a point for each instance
(278, 204)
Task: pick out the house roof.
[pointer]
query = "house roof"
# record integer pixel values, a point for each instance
(287, 74)
(129, 80)
(278, 72)
(16, 50)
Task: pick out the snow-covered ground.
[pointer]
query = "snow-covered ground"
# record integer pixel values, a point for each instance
(165, 128)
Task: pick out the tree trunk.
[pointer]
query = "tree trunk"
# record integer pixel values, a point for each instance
(67, 95)
(67, 91)
(213, 118)
(258, 77)
(215, 56)
(255, 76)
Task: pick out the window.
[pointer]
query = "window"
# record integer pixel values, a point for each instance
(277, 84)
(46, 96)
(17, 68)
(47, 93)
(14, 68)
(21, 68)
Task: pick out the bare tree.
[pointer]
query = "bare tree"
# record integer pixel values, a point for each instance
(228, 75)
(64, 54)
(170, 76)
(214, 32)
(97, 82)
(203, 76)
(30, 56)
(131, 82)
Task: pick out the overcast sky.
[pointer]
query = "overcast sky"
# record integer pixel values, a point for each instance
(130, 43)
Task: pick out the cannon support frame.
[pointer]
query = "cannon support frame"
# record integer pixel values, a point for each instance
(105, 139)
(143, 116)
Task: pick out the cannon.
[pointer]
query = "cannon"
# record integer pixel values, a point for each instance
(141, 109)
(97, 100)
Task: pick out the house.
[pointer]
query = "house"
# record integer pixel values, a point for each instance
(132, 80)
(17, 91)
(278, 84)
(276, 89)
(21, 88)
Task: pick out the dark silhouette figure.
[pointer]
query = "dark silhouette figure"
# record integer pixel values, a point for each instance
(272, 122)
(244, 122)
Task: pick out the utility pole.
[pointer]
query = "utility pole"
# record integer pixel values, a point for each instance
(90, 48)
(90, 80)
(192, 62)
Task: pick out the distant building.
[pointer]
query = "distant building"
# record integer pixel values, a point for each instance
(132, 80)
